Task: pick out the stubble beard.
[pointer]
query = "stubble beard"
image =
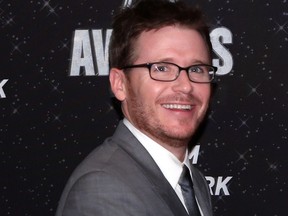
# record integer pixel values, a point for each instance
(145, 120)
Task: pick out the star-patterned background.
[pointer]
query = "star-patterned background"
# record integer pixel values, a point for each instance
(50, 121)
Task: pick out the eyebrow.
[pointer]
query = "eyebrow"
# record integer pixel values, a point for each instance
(195, 61)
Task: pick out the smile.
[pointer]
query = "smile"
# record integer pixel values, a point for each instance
(177, 106)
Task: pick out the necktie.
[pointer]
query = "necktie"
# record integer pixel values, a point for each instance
(188, 193)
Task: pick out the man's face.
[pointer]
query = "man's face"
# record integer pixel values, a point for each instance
(159, 109)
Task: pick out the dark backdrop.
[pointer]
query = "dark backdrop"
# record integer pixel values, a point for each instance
(50, 120)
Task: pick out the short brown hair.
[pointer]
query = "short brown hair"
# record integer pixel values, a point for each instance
(147, 15)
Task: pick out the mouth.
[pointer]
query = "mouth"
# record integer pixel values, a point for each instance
(177, 106)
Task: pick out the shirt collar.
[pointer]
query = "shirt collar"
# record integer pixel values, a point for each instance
(169, 164)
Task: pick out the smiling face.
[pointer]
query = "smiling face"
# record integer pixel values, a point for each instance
(167, 112)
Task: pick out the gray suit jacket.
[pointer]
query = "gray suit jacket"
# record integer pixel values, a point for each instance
(120, 178)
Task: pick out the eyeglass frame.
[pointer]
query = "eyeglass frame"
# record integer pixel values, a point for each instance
(149, 66)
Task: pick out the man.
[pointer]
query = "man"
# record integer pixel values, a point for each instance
(160, 56)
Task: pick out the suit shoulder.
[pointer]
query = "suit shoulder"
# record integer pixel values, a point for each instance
(99, 158)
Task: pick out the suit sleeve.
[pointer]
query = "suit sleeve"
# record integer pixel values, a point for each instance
(101, 194)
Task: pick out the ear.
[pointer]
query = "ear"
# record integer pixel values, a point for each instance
(117, 83)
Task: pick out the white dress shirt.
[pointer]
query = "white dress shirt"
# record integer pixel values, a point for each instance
(168, 163)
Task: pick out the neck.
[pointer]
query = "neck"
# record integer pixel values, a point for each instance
(177, 147)
(177, 151)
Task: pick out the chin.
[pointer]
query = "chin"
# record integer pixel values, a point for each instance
(181, 134)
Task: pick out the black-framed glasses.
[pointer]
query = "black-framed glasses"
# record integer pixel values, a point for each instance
(167, 71)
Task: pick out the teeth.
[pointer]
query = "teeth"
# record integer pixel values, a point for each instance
(177, 106)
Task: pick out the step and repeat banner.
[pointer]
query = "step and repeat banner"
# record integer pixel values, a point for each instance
(56, 105)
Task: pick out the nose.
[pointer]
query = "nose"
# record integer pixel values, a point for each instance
(182, 83)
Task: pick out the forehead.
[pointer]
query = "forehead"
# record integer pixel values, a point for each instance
(171, 42)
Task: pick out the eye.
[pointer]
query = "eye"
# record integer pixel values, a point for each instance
(161, 67)
(197, 69)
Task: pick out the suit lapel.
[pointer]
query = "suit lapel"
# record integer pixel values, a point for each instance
(147, 165)
(202, 192)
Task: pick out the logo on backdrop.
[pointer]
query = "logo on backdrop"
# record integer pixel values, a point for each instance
(218, 185)
(2, 93)
(90, 52)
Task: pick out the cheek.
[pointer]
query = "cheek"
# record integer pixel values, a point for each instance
(146, 90)
(204, 94)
